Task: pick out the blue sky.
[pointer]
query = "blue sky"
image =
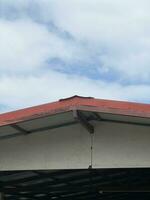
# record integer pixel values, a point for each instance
(53, 49)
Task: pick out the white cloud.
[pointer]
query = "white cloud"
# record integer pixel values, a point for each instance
(119, 29)
(118, 32)
(114, 35)
(26, 45)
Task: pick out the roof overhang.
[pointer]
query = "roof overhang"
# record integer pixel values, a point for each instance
(64, 113)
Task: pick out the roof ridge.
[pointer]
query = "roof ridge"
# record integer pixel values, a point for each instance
(75, 96)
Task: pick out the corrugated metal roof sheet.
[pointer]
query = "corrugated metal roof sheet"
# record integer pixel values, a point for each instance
(76, 102)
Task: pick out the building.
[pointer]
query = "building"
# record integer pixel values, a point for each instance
(76, 148)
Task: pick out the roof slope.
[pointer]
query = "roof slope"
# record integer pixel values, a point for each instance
(78, 103)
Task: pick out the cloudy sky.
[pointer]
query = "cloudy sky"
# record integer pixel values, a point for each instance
(51, 49)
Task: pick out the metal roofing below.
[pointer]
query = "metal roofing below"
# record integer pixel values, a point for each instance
(108, 184)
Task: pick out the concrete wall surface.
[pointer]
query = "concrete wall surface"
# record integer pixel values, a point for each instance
(115, 145)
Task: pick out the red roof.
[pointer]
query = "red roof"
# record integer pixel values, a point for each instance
(76, 102)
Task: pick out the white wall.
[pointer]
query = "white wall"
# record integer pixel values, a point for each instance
(115, 145)
(55, 149)
(121, 145)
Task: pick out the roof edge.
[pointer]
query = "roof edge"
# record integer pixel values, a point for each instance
(76, 102)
